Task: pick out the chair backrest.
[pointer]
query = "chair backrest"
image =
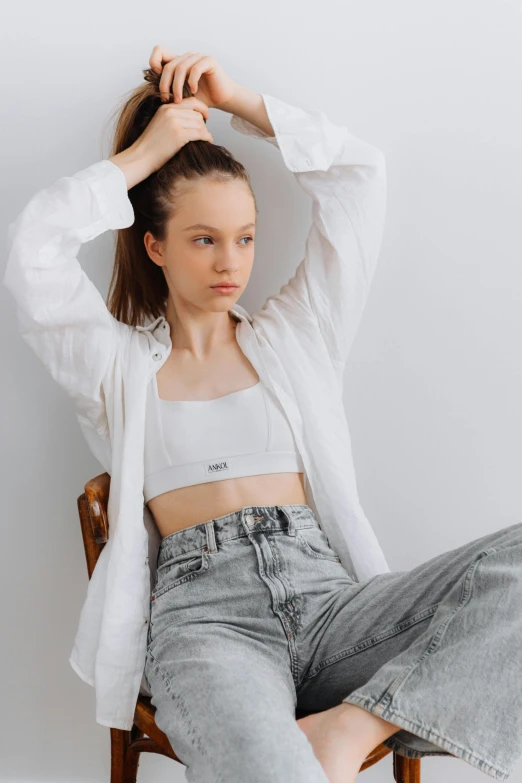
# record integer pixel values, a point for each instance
(94, 521)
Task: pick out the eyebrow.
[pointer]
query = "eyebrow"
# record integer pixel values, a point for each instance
(212, 228)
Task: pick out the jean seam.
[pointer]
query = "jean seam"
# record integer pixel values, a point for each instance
(390, 714)
(185, 578)
(221, 542)
(383, 706)
(169, 682)
(184, 556)
(309, 549)
(467, 590)
(501, 547)
(370, 641)
(279, 572)
(188, 577)
(405, 750)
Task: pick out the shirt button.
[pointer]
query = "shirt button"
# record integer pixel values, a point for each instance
(156, 356)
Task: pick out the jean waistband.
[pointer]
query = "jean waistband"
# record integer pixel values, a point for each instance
(207, 535)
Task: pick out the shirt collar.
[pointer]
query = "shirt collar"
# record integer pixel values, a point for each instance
(238, 312)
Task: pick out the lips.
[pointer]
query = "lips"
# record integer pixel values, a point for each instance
(224, 285)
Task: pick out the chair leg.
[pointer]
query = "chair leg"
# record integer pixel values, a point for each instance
(124, 759)
(406, 770)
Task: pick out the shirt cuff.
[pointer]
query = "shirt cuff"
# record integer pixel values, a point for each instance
(108, 184)
(299, 134)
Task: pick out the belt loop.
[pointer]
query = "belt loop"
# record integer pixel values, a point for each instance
(290, 520)
(211, 537)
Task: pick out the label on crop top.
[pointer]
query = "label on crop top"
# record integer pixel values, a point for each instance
(216, 467)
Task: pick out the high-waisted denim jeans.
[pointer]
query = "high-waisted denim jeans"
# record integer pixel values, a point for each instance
(253, 615)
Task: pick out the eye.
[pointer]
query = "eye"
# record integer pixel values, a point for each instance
(246, 237)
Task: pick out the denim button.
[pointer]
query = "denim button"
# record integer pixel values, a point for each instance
(250, 519)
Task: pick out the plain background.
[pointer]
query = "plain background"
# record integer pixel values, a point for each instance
(434, 380)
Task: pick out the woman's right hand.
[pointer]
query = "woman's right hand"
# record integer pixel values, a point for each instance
(172, 126)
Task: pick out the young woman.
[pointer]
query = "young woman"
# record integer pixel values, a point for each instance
(241, 578)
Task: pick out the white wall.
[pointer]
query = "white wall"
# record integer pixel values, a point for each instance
(434, 381)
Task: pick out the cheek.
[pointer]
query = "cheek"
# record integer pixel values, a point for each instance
(250, 263)
(182, 266)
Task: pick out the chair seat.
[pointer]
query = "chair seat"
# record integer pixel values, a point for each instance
(144, 719)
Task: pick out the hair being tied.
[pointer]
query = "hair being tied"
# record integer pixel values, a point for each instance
(138, 289)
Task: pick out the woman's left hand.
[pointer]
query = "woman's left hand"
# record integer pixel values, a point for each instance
(206, 78)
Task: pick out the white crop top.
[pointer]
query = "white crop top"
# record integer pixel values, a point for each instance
(191, 442)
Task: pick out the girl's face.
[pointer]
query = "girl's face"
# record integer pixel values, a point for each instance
(209, 240)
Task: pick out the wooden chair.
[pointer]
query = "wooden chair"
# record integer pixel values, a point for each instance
(145, 736)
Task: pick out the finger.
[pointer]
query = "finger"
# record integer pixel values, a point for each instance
(180, 74)
(158, 57)
(192, 104)
(155, 59)
(197, 105)
(166, 77)
(196, 113)
(197, 69)
(195, 134)
(165, 81)
(195, 122)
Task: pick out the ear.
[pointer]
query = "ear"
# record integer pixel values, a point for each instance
(154, 248)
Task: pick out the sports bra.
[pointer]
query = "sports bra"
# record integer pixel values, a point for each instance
(189, 442)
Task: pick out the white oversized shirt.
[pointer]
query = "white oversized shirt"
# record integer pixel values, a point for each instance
(298, 342)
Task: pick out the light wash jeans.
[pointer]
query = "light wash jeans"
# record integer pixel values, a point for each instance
(253, 615)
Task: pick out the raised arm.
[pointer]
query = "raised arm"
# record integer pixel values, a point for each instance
(61, 314)
(346, 179)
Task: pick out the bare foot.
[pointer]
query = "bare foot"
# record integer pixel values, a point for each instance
(326, 732)
(342, 738)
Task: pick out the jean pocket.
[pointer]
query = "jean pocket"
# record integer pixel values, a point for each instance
(315, 543)
(180, 569)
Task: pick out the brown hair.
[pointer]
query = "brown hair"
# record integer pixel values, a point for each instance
(138, 288)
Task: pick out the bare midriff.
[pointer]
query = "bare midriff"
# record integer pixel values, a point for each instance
(187, 506)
